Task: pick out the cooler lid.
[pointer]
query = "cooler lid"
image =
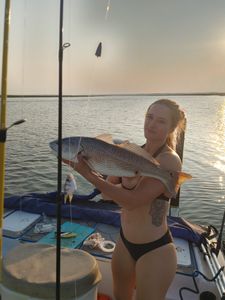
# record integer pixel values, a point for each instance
(30, 269)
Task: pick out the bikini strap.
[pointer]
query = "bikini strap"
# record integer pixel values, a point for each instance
(157, 152)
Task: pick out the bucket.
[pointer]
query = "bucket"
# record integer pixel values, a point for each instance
(29, 272)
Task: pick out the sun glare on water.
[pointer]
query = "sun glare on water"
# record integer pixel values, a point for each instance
(220, 163)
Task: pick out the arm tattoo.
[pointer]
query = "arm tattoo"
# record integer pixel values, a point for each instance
(157, 211)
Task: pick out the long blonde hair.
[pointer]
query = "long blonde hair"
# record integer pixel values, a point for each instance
(178, 121)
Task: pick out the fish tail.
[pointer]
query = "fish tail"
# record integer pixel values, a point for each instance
(68, 197)
(182, 177)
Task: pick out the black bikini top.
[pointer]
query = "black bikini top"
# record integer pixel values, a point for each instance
(157, 152)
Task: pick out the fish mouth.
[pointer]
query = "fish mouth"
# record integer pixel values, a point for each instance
(54, 146)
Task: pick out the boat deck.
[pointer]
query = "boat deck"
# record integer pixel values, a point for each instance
(21, 227)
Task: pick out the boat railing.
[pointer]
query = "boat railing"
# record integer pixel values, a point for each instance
(216, 270)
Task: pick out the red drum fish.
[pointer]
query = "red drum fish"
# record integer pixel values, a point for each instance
(125, 159)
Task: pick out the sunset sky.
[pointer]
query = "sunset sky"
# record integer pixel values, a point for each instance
(148, 46)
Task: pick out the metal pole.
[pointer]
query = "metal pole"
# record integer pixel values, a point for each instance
(3, 119)
(59, 197)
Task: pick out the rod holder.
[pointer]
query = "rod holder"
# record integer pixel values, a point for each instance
(3, 131)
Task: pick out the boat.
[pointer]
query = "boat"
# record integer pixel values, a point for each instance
(39, 222)
(200, 269)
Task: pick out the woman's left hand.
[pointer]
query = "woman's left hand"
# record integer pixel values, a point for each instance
(130, 182)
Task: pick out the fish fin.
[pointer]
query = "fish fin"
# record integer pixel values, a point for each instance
(70, 197)
(105, 137)
(65, 198)
(139, 151)
(183, 177)
(117, 141)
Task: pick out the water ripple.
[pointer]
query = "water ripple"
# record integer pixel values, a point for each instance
(31, 167)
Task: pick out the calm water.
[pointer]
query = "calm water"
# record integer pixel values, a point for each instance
(31, 167)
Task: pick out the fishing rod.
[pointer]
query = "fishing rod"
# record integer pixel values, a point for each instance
(59, 177)
(220, 237)
(3, 118)
(3, 131)
(98, 53)
(3, 128)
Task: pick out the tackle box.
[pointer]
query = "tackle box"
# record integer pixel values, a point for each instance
(18, 222)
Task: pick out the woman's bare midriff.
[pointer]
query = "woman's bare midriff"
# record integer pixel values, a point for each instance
(146, 223)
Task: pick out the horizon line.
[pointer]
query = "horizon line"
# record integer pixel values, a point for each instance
(121, 94)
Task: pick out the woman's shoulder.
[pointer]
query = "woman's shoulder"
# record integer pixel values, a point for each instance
(169, 160)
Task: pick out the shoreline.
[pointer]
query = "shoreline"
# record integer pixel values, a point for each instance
(104, 95)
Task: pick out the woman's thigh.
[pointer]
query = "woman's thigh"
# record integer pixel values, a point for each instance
(123, 269)
(155, 272)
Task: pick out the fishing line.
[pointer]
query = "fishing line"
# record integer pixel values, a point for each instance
(24, 46)
(68, 166)
(97, 53)
(75, 288)
(71, 216)
(107, 10)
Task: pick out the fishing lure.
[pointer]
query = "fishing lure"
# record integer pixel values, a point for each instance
(67, 234)
(70, 187)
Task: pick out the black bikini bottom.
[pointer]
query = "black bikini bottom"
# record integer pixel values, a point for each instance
(137, 250)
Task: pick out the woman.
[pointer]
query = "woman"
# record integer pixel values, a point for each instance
(145, 256)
